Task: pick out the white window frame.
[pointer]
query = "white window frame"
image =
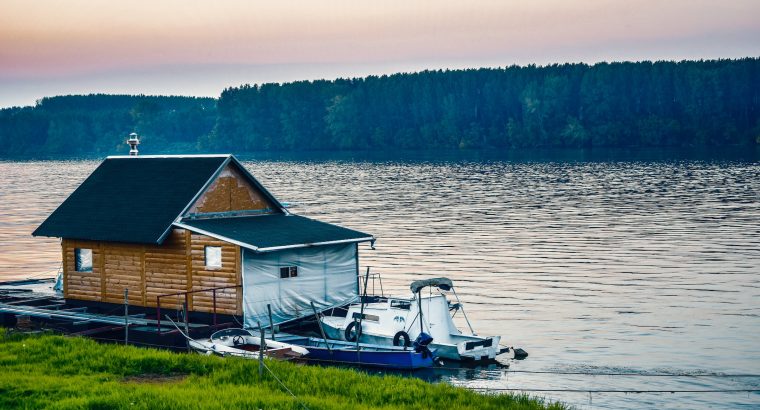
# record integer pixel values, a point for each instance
(210, 263)
(77, 257)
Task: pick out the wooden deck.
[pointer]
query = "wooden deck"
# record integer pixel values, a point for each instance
(48, 309)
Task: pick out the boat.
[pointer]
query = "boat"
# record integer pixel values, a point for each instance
(396, 321)
(329, 351)
(241, 343)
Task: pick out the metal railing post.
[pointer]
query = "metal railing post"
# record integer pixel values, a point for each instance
(158, 314)
(187, 307)
(126, 316)
(262, 350)
(187, 302)
(271, 323)
(214, 293)
(187, 324)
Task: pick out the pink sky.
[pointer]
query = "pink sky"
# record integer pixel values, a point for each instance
(199, 47)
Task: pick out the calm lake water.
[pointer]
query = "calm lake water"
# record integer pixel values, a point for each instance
(591, 265)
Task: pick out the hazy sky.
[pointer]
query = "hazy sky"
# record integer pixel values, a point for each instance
(189, 47)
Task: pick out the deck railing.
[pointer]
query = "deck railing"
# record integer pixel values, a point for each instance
(187, 313)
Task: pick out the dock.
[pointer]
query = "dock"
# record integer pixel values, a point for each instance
(33, 304)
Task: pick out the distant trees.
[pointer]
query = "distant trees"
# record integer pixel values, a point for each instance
(644, 104)
(99, 124)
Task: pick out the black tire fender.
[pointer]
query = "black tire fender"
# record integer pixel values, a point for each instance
(351, 337)
(402, 335)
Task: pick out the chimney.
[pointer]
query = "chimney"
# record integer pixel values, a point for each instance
(133, 142)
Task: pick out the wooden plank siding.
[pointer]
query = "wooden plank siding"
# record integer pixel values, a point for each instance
(206, 278)
(165, 271)
(82, 285)
(152, 270)
(230, 192)
(121, 270)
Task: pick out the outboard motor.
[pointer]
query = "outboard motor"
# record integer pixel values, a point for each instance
(421, 344)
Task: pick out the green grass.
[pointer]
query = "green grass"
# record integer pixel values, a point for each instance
(57, 372)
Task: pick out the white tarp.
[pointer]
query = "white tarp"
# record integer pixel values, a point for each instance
(326, 275)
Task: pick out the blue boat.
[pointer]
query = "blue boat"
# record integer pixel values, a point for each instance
(370, 355)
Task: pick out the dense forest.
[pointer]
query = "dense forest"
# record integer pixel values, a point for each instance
(99, 124)
(642, 104)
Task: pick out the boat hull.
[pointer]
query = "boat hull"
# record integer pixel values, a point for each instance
(240, 343)
(465, 348)
(387, 360)
(369, 355)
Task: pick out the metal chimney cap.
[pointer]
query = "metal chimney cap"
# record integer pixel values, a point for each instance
(133, 141)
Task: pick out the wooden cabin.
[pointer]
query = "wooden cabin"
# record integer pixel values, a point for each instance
(171, 227)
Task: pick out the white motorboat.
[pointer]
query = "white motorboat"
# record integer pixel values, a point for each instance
(396, 321)
(241, 343)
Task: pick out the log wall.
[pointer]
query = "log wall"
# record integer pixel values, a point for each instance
(121, 269)
(82, 285)
(230, 192)
(206, 278)
(152, 270)
(166, 270)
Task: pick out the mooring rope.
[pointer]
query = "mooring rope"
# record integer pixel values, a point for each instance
(47, 272)
(284, 386)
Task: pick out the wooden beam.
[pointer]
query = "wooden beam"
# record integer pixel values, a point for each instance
(64, 265)
(23, 301)
(54, 306)
(142, 275)
(76, 309)
(239, 279)
(95, 331)
(189, 269)
(102, 268)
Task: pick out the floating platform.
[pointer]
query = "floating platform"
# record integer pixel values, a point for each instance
(33, 304)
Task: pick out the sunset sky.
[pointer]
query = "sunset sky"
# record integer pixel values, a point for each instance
(190, 47)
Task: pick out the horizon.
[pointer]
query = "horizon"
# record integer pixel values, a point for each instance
(175, 48)
(216, 97)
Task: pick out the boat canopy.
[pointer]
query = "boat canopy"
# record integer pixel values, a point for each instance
(440, 283)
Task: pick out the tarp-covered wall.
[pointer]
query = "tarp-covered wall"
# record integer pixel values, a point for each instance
(327, 276)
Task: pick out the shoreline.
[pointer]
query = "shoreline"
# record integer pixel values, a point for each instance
(44, 370)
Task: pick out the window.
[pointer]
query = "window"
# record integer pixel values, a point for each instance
(288, 272)
(213, 256)
(372, 318)
(401, 304)
(83, 260)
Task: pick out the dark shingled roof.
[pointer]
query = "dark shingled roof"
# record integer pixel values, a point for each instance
(274, 231)
(131, 199)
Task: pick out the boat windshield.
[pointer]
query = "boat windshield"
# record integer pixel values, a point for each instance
(227, 333)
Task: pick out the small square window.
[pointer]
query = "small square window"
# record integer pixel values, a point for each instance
(213, 256)
(401, 304)
(83, 259)
(288, 272)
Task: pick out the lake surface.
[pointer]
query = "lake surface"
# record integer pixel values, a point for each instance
(592, 265)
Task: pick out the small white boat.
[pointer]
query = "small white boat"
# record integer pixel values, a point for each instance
(241, 343)
(396, 321)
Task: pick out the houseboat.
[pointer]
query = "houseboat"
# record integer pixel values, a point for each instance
(200, 230)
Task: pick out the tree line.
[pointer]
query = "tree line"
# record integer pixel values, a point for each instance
(630, 104)
(98, 124)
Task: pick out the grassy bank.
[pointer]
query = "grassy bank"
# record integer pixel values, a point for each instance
(46, 371)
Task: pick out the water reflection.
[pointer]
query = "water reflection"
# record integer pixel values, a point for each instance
(622, 266)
